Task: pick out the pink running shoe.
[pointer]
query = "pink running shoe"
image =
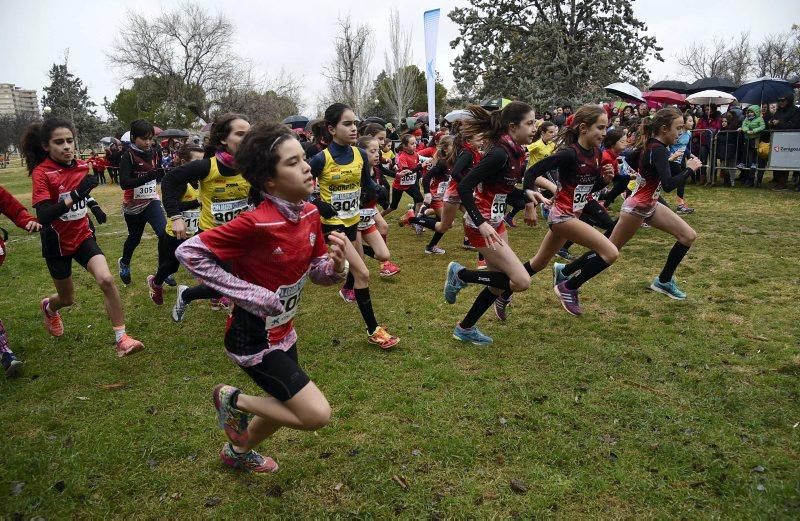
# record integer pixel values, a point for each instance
(52, 321)
(128, 345)
(156, 292)
(389, 269)
(250, 461)
(230, 419)
(348, 295)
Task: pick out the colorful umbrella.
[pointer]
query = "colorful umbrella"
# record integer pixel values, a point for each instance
(674, 85)
(626, 91)
(708, 97)
(665, 96)
(457, 115)
(712, 83)
(495, 103)
(763, 90)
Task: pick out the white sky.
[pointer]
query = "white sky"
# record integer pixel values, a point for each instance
(295, 35)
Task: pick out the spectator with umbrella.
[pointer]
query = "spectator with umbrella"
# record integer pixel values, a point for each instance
(712, 121)
(787, 117)
(752, 127)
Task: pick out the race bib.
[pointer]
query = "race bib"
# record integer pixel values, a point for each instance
(346, 203)
(408, 179)
(657, 193)
(76, 211)
(146, 191)
(224, 212)
(367, 218)
(191, 218)
(638, 183)
(580, 197)
(498, 208)
(442, 188)
(290, 298)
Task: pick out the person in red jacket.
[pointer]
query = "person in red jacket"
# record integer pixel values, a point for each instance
(14, 210)
(98, 165)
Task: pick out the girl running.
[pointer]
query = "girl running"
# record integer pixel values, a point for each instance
(406, 178)
(139, 172)
(342, 171)
(261, 261)
(580, 174)
(190, 212)
(13, 209)
(223, 194)
(61, 186)
(370, 240)
(656, 173)
(544, 143)
(484, 192)
(434, 183)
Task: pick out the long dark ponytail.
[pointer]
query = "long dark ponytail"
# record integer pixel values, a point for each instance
(36, 136)
(492, 125)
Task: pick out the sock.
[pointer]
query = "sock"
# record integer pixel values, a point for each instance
(567, 245)
(349, 281)
(119, 332)
(484, 301)
(435, 239)
(676, 255)
(592, 268)
(236, 451)
(529, 268)
(578, 263)
(368, 251)
(3, 340)
(48, 310)
(365, 306)
(495, 279)
(234, 399)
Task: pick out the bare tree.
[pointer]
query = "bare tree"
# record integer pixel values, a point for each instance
(349, 79)
(778, 56)
(740, 59)
(400, 88)
(702, 62)
(185, 52)
(263, 99)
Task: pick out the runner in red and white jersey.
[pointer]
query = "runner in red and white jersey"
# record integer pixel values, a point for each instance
(434, 183)
(61, 188)
(406, 179)
(269, 253)
(370, 241)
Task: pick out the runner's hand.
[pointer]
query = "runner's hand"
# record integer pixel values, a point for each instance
(608, 173)
(542, 199)
(427, 199)
(33, 226)
(179, 229)
(531, 215)
(87, 184)
(490, 235)
(337, 242)
(694, 163)
(403, 173)
(99, 214)
(676, 155)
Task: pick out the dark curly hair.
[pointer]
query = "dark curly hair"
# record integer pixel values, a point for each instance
(258, 155)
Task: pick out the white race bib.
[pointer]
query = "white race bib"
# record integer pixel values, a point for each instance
(367, 218)
(498, 208)
(408, 179)
(657, 193)
(225, 211)
(290, 298)
(580, 197)
(191, 218)
(442, 188)
(638, 182)
(146, 191)
(76, 211)
(346, 203)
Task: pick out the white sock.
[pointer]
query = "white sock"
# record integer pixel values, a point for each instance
(119, 332)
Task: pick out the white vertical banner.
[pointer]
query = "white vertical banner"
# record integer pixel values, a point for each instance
(431, 35)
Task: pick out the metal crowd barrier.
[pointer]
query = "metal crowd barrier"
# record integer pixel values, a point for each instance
(732, 151)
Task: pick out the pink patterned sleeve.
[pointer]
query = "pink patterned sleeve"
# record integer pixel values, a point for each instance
(199, 260)
(322, 271)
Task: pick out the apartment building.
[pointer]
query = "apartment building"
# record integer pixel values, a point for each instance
(15, 101)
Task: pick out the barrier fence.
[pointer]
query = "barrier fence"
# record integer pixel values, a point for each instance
(733, 151)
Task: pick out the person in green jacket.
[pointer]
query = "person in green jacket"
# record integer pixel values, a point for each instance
(752, 126)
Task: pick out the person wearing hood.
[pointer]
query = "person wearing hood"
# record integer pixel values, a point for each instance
(786, 117)
(752, 126)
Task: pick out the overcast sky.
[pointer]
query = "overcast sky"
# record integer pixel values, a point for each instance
(295, 35)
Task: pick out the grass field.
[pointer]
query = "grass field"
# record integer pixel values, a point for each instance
(642, 408)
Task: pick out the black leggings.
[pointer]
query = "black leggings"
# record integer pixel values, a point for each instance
(594, 215)
(167, 262)
(413, 192)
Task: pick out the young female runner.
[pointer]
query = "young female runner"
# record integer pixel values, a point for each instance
(370, 241)
(484, 192)
(434, 183)
(261, 261)
(656, 173)
(13, 209)
(342, 171)
(190, 211)
(223, 193)
(61, 186)
(544, 143)
(406, 179)
(579, 175)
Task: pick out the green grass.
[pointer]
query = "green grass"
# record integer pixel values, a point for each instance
(642, 408)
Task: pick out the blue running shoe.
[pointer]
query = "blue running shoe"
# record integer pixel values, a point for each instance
(170, 281)
(11, 365)
(124, 271)
(452, 284)
(669, 289)
(472, 335)
(558, 276)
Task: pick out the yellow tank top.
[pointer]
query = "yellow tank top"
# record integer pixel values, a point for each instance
(221, 198)
(190, 217)
(539, 150)
(340, 186)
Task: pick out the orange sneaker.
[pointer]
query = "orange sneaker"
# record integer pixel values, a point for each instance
(389, 269)
(382, 338)
(127, 345)
(481, 264)
(52, 321)
(404, 221)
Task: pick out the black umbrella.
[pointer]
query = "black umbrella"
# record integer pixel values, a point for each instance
(173, 132)
(713, 83)
(681, 87)
(375, 119)
(296, 121)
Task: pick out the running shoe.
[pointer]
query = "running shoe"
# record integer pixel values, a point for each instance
(565, 254)
(124, 271)
(52, 321)
(170, 281)
(545, 211)
(510, 221)
(250, 461)
(382, 338)
(348, 295)
(418, 229)
(501, 307)
(472, 335)
(128, 345)
(230, 419)
(452, 284)
(434, 250)
(468, 245)
(645, 225)
(11, 365)
(569, 298)
(389, 269)
(683, 209)
(180, 306)
(156, 292)
(558, 276)
(215, 304)
(221, 304)
(404, 221)
(481, 265)
(669, 289)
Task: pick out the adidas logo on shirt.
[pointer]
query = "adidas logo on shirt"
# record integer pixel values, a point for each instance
(277, 251)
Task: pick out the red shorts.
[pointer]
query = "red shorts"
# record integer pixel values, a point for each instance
(436, 204)
(371, 229)
(475, 237)
(451, 194)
